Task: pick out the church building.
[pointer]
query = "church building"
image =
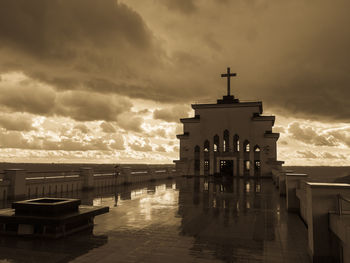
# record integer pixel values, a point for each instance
(230, 138)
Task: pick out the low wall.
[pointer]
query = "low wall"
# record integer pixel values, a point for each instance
(328, 239)
(17, 183)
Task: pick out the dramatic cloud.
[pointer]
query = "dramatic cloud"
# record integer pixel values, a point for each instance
(286, 53)
(310, 136)
(160, 148)
(292, 55)
(341, 135)
(19, 94)
(107, 127)
(80, 44)
(172, 114)
(84, 78)
(17, 140)
(83, 128)
(141, 148)
(118, 142)
(307, 154)
(16, 122)
(327, 155)
(130, 121)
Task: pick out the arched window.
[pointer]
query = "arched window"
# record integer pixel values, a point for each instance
(236, 143)
(206, 146)
(246, 146)
(257, 148)
(226, 142)
(216, 143)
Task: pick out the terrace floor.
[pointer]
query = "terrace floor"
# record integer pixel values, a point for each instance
(182, 220)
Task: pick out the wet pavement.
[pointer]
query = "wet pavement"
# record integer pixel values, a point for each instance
(182, 220)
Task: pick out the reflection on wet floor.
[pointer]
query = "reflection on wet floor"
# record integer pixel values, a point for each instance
(182, 220)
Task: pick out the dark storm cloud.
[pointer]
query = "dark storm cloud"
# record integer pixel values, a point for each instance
(27, 97)
(291, 54)
(35, 98)
(78, 44)
(302, 59)
(88, 106)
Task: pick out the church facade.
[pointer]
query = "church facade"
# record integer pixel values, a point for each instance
(230, 138)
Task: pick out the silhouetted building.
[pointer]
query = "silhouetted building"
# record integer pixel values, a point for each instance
(229, 137)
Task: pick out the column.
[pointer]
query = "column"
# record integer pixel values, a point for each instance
(201, 162)
(211, 162)
(126, 174)
(320, 199)
(292, 184)
(87, 174)
(251, 160)
(150, 174)
(17, 178)
(282, 183)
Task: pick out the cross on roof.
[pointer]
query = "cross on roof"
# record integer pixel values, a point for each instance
(228, 75)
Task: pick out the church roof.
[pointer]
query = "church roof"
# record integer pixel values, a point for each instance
(229, 105)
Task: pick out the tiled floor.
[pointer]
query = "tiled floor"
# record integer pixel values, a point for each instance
(187, 220)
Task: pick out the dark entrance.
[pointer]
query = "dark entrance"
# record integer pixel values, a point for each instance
(226, 167)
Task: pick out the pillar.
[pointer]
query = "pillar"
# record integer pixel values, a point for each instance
(169, 172)
(17, 178)
(126, 175)
(87, 174)
(320, 199)
(150, 173)
(211, 163)
(292, 184)
(282, 183)
(251, 160)
(201, 163)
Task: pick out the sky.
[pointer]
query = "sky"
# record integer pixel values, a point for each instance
(107, 81)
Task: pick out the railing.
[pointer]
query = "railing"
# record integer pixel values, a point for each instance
(340, 200)
(52, 174)
(47, 176)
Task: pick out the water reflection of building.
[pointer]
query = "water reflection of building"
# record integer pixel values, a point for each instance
(226, 218)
